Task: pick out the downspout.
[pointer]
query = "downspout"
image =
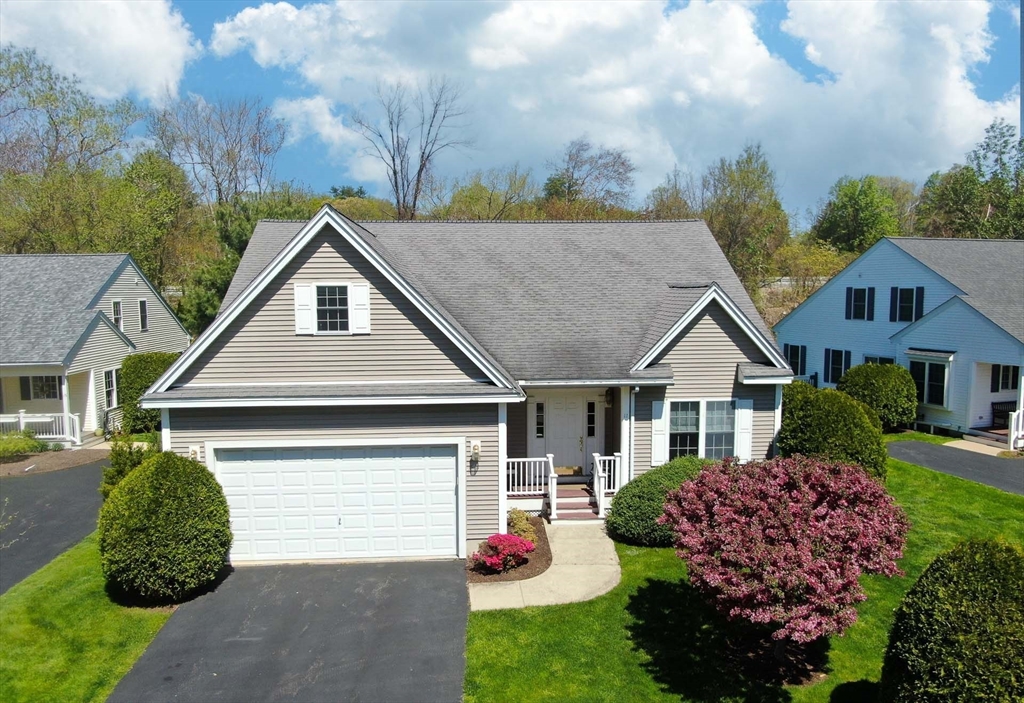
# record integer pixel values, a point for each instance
(632, 430)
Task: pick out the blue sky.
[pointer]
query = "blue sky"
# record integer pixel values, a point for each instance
(828, 88)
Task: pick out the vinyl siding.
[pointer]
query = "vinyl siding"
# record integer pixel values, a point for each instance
(474, 422)
(977, 342)
(103, 350)
(703, 362)
(164, 333)
(820, 322)
(260, 345)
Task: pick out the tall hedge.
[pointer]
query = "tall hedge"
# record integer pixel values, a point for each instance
(139, 372)
(887, 389)
(831, 425)
(959, 633)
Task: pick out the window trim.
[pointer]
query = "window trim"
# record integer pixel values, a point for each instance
(928, 361)
(143, 302)
(347, 285)
(702, 409)
(868, 302)
(846, 365)
(114, 373)
(32, 387)
(117, 314)
(1010, 374)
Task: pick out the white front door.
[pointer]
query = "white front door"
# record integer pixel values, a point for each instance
(567, 423)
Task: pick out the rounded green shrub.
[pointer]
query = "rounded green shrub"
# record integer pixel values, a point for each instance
(637, 506)
(164, 530)
(959, 633)
(887, 389)
(831, 425)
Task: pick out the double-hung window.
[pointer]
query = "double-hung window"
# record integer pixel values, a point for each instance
(837, 362)
(930, 378)
(860, 304)
(906, 304)
(143, 316)
(41, 388)
(111, 381)
(719, 429)
(332, 308)
(684, 429)
(796, 355)
(117, 315)
(1005, 378)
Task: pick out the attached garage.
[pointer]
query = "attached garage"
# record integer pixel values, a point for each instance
(303, 503)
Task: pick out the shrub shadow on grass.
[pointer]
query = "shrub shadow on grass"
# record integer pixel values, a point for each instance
(699, 655)
(862, 691)
(132, 600)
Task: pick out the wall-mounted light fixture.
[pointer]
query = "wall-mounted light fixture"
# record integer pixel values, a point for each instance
(609, 397)
(474, 452)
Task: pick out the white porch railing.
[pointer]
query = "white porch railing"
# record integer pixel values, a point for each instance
(1015, 435)
(532, 477)
(607, 478)
(44, 426)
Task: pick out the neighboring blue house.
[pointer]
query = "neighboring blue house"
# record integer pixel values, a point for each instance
(950, 310)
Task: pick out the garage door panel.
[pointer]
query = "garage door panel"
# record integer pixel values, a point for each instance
(341, 503)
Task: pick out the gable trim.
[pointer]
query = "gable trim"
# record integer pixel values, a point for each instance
(100, 318)
(713, 293)
(158, 402)
(128, 260)
(327, 216)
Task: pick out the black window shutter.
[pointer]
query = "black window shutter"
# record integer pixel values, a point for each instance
(60, 388)
(918, 303)
(26, 387)
(803, 361)
(996, 371)
(828, 363)
(846, 361)
(1015, 383)
(894, 304)
(849, 303)
(871, 304)
(785, 351)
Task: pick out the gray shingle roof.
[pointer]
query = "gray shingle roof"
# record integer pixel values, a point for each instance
(44, 302)
(749, 370)
(990, 272)
(549, 300)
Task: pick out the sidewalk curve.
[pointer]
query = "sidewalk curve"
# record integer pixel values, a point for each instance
(584, 565)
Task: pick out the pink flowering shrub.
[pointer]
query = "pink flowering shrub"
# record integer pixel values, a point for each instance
(501, 553)
(783, 542)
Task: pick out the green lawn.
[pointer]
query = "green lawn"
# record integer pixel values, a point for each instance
(916, 437)
(62, 638)
(652, 639)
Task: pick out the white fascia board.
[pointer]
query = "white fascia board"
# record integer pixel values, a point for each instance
(325, 216)
(601, 382)
(717, 294)
(771, 381)
(325, 402)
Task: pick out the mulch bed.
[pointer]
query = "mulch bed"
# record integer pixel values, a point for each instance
(536, 563)
(51, 461)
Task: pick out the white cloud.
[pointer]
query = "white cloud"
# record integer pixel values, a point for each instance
(115, 47)
(686, 86)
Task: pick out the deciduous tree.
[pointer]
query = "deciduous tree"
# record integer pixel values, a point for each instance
(596, 173)
(858, 213)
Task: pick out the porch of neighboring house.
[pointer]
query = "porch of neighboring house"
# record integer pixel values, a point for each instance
(997, 404)
(568, 451)
(53, 404)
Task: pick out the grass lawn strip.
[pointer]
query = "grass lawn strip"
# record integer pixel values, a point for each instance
(916, 437)
(652, 638)
(63, 638)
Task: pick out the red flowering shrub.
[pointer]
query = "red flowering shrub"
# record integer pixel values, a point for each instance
(783, 542)
(501, 553)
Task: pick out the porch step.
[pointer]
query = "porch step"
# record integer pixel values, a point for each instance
(576, 513)
(569, 492)
(987, 441)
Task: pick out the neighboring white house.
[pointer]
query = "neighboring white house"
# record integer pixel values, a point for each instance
(66, 323)
(950, 310)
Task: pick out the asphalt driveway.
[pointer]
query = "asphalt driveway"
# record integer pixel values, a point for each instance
(1005, 474)
(49, 513)
(352, 632)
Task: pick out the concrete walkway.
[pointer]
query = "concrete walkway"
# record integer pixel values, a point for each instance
(976, 447)
(584, 565)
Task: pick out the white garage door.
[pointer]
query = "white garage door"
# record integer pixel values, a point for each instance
(340, 502)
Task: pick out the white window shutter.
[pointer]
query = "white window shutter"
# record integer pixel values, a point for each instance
(744, 438)
(359, 308)
(659, 433)
(304, 309)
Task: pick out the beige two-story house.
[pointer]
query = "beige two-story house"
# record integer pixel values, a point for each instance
(390, 389)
